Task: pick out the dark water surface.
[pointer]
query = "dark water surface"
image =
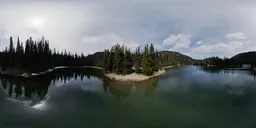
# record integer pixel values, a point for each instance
(185, 97)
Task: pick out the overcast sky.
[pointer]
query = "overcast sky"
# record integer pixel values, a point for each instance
(198, 28)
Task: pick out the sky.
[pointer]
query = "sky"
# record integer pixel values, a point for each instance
(198, 28)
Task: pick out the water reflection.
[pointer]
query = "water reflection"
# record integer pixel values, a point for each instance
(125, 89)
(34, 89)
(182, 97)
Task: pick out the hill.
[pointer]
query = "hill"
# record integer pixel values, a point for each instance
(245, 58)
(176, 57)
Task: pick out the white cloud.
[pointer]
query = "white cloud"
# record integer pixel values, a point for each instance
(228, 48)
(99, 43)
(235, 36)
(86, 26)
(199, 42)
(179, 41)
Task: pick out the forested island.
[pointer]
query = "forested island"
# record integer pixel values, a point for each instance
(36, 57)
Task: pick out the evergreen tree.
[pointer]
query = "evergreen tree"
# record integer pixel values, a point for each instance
(117, 60)
(137, 60)
(11, 46)
(157, 61)
(153, 57)
(11, 54)
(105, 60)
(18, 55)
(110, 61)
(21, 49)
(127, 62)
(18, 47)
(147, 67)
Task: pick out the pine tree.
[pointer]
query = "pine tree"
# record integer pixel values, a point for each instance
(137, 60)
(157, 61)
(147, 67)
(117, 60)
(22, 48)
(11, 54)
(18, 47)
(110, 61)
(18, 55)
(105, 60)
(127, 62)
(153, 57)
(11, 46)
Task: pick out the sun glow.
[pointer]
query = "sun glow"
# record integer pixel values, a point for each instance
(36, 22)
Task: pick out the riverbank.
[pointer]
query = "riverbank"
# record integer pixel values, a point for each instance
(19, 73)
(133, 77)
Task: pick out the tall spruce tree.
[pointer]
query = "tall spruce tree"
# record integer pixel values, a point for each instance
(118, 59)
(105, 60)
(110, 61)
(153, 57)
(18, 55)
(11, 46)
(147, 67)
(157, 61)
(137, 63)
(11, 54)
(127, 62)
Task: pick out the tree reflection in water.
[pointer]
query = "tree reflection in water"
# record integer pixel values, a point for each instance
(35, 89)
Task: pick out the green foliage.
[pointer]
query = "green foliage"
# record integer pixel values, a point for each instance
(106, 56)
(153, 57)
(109, 62)
(216, 61)
(117, 59)
(147, 67)
(127, 62)
(137, 63)
(170, 58)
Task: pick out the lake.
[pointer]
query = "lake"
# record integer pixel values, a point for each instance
(184, 97)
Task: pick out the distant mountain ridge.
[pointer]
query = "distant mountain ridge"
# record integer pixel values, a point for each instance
(245, 58)
(178, 57)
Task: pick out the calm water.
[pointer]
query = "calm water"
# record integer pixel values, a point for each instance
(184, 97)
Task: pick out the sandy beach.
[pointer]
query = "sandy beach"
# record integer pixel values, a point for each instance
(133, 76)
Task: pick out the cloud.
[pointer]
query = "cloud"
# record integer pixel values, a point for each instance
(221, 49)
(99, 43)
(235, 36)
(88, 26)
(218, 47)
(199, 42)
(179, 41)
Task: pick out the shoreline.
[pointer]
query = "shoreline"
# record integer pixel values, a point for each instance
(134, 77)
(28, 75)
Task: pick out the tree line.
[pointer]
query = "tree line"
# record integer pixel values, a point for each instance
(217, 61)
(36, 56)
